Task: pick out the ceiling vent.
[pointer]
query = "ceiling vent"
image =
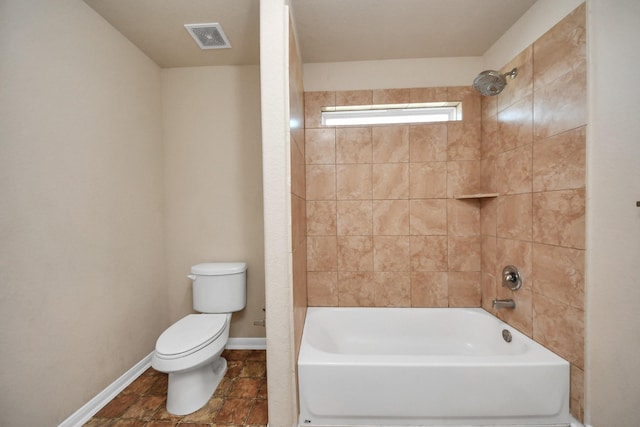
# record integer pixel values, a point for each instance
(208, 36)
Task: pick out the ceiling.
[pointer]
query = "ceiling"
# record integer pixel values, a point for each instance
(328, 30)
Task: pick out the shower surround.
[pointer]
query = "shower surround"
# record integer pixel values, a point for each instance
(384, 227)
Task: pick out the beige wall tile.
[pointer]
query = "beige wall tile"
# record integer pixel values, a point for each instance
(321, 182)
(428, 143)
(471, 102)
(488, 285)
(322, 289)
(298, 221)
(355, 218)
(514, 216)
(559, 161)
(429, 289)
(356, 289)
(488, 216)
(390, 144)
(558, 218)
(513, 170)
(429, 253)
(313, 103)
(321, 253)
(320, 146)
(522, 85)
(560, 328)
(392, 289)
(577, 393)
(391, 96)
(355, 253)
(354, 182)
(391, 253)
(520, 317)
(463, 217)
(463, 177)
(561, 49)
(558, 273)
(428, 180)
(489, 175)
(519, 254)
(464, 253)
(391, 181)
(488, 107)
(427, 94)
(354, 97)
(489, 255)
(464, 289)
(515, 125)
(353, 145)
(321, 218)
(298, 181)
(560, 105)
(490, 138)
(428, 217)
(464, 140)
(391, 217)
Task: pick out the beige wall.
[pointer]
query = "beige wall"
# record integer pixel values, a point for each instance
(213, 181)
(298, 191)
(534, 140)
(276, 155)
(82, 275)
(613, 233)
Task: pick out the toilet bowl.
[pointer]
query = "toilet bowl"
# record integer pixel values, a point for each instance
(189, 350)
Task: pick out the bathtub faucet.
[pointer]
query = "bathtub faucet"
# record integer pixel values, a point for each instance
(503, 303)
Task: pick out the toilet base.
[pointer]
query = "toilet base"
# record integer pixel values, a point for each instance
(191, 390)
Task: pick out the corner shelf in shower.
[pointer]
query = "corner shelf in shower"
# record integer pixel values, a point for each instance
(476, 196)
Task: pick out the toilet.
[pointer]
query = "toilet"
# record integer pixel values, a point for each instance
(189, 350)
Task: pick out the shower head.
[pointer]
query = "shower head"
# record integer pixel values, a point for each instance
(491, 83)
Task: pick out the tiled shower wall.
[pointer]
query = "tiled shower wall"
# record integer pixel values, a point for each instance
(533, 156)
(383, 226)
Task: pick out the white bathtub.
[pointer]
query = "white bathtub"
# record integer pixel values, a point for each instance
(426, 367)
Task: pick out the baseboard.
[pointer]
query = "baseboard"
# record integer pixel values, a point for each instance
(247, 344)
(84, 414)
(90, 408)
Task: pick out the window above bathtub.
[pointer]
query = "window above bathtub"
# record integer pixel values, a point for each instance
(387, 114)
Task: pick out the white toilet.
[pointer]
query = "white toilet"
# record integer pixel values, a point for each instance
(189, 350)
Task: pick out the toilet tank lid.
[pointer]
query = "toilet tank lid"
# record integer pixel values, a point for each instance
(218, 268)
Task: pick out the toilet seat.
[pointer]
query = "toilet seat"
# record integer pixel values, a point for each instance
(190, 334)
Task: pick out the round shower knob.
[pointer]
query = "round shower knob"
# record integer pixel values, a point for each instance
(511, 278)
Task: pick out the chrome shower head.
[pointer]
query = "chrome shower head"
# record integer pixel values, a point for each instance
(491, 83)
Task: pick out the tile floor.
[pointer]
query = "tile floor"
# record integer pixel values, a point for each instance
(240, 400)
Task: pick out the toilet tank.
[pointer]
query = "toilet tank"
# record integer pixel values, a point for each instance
(219, 287)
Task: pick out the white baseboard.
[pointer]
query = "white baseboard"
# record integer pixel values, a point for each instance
(247, 344)
(84, 414)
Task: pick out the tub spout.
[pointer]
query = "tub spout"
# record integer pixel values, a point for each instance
(503, 303)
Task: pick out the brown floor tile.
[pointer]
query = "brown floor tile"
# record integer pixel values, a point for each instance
(207, 413)
(262, 390)
(254, 368)
(234, 411)
(128, 423)
(144, 408)
(259, 413)
(245, 388)
(239, 399)
(117, 406)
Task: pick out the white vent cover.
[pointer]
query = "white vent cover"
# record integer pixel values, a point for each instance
(208, 36)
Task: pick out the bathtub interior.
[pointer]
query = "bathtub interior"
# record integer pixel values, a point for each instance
(431, 367)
